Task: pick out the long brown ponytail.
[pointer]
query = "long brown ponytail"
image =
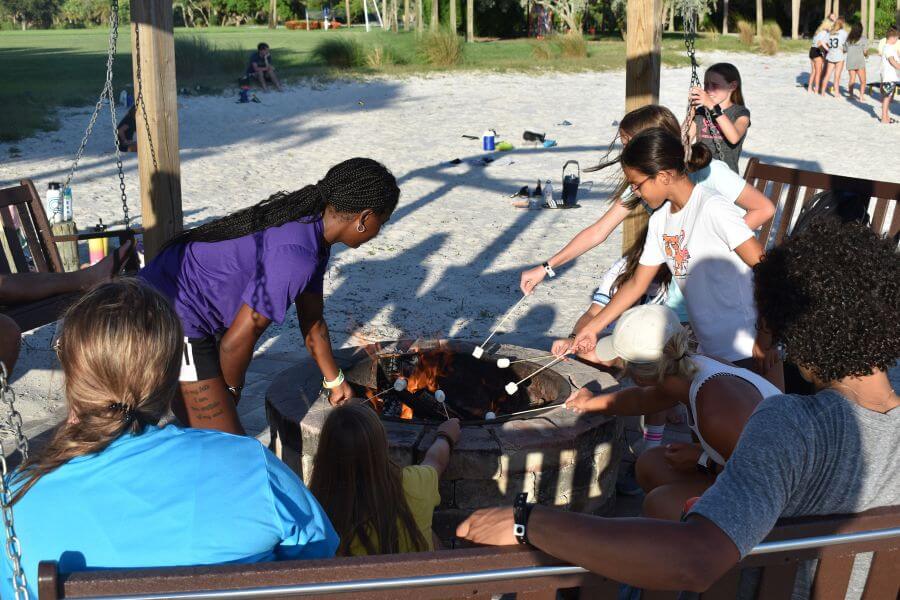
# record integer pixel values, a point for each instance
(120, 350)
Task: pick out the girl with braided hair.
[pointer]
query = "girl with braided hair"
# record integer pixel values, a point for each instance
(230, 278)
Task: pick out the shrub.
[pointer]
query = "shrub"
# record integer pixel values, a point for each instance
(571, 45)
(197, 56)
(770, 39)
(441, 48)
(378, 56)
(541, 50)
(295, 24)
(341, 52)
(745, 32)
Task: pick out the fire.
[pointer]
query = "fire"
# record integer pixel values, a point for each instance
(405, 412)
(431, 365)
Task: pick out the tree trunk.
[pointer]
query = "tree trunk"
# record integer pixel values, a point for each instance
(453, 16)
(406, 15)
(395, 26)
(420, 26)
(864, 16)
(759, 18)
(828, 8)
(470, 20)
(671, 15)
(347, 8)
(435, 15)
(795, 19)
(725, 17)
(872, 6)
(836, 7)
(642, 74)
(273, 14)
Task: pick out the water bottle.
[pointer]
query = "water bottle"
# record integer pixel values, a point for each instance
(68, 213)
(123, 98)
(548, 195)
(97, 247)
(54, 204)
(487, 141)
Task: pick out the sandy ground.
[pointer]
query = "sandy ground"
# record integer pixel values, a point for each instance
(448, 262)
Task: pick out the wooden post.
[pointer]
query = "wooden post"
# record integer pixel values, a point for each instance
(642, 52)
(759, 18)
(470, 21)
(435, 15)
(453, 16)
(795, 19)
(68, 251)
(725, 16)
(273, 14)
(161, 217)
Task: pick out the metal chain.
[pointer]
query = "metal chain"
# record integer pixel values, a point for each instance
(690, 17)
(108, 94)
(139, 97)
(13, 547)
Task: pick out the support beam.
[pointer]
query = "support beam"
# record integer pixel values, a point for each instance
(795, 19)
(642, 52)
(153, 56)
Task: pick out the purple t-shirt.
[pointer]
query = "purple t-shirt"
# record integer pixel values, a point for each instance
(208, 282)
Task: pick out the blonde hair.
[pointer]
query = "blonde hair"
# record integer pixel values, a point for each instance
(838, 25)
(676, 361)
(120, 350)
(825, 24)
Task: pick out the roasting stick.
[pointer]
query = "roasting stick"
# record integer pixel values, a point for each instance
(441, 397)
(512, 388)
(399, 386)
(502, 363)
(478, 352)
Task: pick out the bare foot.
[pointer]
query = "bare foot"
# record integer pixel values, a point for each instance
(103, 270)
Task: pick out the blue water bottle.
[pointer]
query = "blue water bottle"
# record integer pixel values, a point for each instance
(487, 140)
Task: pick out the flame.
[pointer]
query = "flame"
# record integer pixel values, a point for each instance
(405, 412)
(431, 365)
(377, 403)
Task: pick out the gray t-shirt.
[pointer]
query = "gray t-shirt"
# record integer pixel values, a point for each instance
(707, 133)
(802, 456)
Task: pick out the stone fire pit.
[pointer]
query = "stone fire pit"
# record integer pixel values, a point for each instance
(534, 444)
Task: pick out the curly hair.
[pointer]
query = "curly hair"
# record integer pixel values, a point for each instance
(831, 296)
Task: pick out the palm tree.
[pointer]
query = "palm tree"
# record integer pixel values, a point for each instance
(725, 17)
(453, 16)
(405, 15)
(795, 19)
(435, 15)
(420, 26)
(347, 8)
(273, 14)
(470, 20)
(759, 18)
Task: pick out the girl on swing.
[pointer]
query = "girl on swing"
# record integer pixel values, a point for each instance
(720, 114)
(230, 278)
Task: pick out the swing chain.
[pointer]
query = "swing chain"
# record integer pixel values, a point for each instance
(13, 547)
(139, 97)
(689, 16)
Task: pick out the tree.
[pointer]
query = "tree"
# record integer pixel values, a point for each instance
(725, 16)
(420, 26)
(470, 21)
(759, 18)
(435, 15)
(33, 12)
(406, 15)
(348, 13)
(570, 11)
(795, 19)
(453, 16)
(273, 14)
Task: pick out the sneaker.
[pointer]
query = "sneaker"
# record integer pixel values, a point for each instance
(626, 482)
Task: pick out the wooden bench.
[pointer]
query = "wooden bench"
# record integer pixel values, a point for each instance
(483, 573)
(791, 189)
(39, 253)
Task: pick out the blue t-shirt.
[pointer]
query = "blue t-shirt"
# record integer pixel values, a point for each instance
(168, 497)
(208, 282)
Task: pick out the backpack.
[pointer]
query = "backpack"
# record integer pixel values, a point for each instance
(845, 206)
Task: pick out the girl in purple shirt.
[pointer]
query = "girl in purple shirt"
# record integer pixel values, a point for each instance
(230, 278)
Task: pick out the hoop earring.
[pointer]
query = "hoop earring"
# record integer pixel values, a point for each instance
(360, 228)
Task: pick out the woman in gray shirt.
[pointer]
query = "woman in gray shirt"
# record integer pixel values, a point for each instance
(857, 52)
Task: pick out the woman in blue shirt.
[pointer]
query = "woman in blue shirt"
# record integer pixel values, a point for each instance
(112, 489)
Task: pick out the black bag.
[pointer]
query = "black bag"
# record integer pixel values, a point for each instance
(845, 206)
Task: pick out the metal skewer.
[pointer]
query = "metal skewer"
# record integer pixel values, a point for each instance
(512, 388)
(479, 349)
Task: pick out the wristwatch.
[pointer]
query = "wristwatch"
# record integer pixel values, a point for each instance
(717, 111)
(550, 272)
(521, 512)
(705, 464)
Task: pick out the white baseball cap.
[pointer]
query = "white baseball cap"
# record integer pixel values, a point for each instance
(640, 334)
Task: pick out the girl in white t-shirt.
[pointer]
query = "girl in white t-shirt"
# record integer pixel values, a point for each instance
(817, 51)
(702, 239)
(834, 59)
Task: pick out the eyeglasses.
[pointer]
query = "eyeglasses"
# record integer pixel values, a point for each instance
(636, 187)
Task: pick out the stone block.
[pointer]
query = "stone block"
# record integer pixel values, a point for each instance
(447, 491)
(480, 493)
(476, 456)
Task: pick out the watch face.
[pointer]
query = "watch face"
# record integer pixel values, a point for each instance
(518, 530)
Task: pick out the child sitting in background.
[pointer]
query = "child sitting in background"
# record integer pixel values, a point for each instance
(721, 114)
(376, 506)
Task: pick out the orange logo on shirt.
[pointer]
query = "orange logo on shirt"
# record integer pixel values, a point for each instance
(679, 255)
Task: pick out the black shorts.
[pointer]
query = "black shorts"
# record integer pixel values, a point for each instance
(815, 53)
(888, 89)
(200, 359)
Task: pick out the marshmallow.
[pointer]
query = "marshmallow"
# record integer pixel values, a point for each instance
(502, 362)
(478, 352)
(489, 416)
(399, 384)
(440, 396)
(511, 388)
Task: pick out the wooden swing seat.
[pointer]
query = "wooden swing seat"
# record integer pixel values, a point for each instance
(30, 246)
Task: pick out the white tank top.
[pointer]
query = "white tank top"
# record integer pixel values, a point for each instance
(709, 368)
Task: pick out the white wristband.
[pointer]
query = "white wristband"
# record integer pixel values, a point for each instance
(550, 272)
(330, 385)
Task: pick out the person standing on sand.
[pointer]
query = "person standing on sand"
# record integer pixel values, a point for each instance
(230, 278)
(890, 68)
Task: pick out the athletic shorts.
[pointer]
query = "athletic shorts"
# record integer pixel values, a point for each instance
(200, 359)
(815, 53)
(888, 89)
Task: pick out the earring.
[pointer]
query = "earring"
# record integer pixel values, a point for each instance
(360, 228)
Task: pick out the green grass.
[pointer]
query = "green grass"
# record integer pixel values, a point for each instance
(44, 70)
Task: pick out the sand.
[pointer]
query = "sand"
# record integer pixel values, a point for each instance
(448, 262)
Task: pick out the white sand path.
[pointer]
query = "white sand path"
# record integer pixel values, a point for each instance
(448, 262)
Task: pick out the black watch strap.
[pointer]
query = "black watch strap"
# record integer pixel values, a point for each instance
(521, 512)
(717, 111)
